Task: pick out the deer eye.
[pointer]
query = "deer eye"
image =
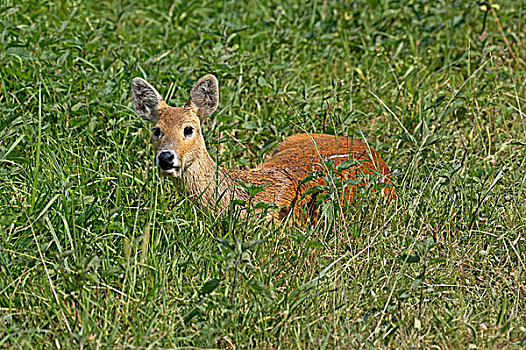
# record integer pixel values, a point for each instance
(188, 131)
(157, 133)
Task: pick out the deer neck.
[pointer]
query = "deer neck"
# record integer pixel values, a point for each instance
(208, 183)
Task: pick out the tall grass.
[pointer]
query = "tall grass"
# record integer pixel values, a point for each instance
(96, 250)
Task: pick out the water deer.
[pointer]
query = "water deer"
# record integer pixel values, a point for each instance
(182, 155)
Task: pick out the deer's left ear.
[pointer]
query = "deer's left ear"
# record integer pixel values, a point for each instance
(146, 100)
(204, 97)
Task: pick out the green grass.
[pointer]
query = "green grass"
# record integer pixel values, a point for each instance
(97, 250)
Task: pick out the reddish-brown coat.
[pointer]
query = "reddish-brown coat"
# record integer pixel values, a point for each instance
(300, 155)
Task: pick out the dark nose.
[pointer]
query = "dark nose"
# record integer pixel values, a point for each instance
(166, 160)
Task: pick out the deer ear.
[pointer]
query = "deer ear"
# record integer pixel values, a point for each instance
(204, 97)
(146, 100)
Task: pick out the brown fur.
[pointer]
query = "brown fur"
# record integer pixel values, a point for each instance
(282, 172)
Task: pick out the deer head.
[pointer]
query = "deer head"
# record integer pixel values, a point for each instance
(176, 134)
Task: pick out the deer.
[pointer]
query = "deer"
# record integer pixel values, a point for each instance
(181, 155)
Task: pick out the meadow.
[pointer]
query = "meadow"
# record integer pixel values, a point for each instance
(98, 251)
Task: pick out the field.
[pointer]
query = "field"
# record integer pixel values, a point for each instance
(98, 251)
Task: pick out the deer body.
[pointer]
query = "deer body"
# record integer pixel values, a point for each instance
(182, 155)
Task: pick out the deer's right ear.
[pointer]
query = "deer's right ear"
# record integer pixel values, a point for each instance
(146, 100)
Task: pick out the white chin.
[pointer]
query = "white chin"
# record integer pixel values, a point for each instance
(170, 173)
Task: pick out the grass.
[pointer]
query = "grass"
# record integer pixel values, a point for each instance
(97, 251)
